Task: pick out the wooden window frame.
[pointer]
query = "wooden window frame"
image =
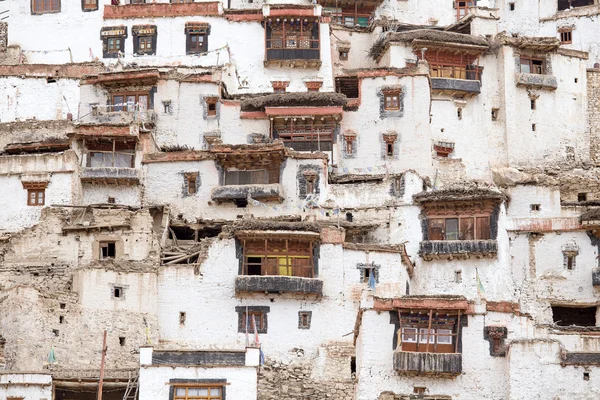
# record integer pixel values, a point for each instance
(89, 5)
(462, 9)
(36, 201)
(566, 35)
(188, 387)
(388, 100)
(45, 6)
(420, 330)
(277, 260)
(106, 244)
(307, 130)
(291, 38)
(532, 67)
(304, 319)
(125, 103)
(211, 106)
(192, 46)
(459, 218)
(114, 152)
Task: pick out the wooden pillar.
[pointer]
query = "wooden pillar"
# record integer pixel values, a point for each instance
(429, 330)
(457, 333)
(102, 367)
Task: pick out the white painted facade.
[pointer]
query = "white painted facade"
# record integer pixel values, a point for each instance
(99, 254)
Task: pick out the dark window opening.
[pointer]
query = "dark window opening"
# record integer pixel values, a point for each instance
(254, 265)
(535, 207)
(533, 127)
(118, 292)
(61, 319)
(107, 250)
(349, 217)
(247, 177)
(352, 365)
(570, 262)
(390, 149)
(347, 85)
(62, 306)
(495, 112)
(182, 317)
(459, 113)
(566, 4)
(367, 277)
(581, 196)
(56, 332)
(566, 316)
(111, 200)
(586, 376)
(310, 186)
(343, 56)
(122, 340)
(292, 39)
(254, 318)
(512, 6)
(532, 104)
(241, 203)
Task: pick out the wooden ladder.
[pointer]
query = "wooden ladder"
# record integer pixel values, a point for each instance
(131, 393)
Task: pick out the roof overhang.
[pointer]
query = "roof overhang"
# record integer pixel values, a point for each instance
(335, 111)
(123, 78)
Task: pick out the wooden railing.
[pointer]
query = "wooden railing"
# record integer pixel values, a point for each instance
(299, 267)
(305, 133)
(455, 72)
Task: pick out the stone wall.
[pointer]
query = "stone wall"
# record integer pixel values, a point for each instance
(3, 36)
(304, 379)
(593, 80)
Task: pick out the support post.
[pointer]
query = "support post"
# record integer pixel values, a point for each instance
(102, 367)
(457, 333)
(429, 331)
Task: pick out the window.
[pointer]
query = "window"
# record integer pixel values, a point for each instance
(144, 39)
(347, 85)
(389, 149)
(211, 106)
(111, 200)
(343, 55)
(533, 127)
(191, 182)
(462, 8)
(511, 6)
(283, 257)
(533, 66)
(304, 318)
(122, 340)
(196, 37)
(579, 316)
(409, 335)
(445, 64)
(36, 197)
(305, 133)
(391, 100)
(532, 103)
(90, 5)
(566, 36)
(182, 317)
(110, 154)
(44, 6)
(107, 250)
(570, 261)
(367, 274)
(130, 101)
(254, 318)
(566, 4)
(535, 207)
(428, 330)
(586, 376)
(198, 393)
(113, 40)
(310, 183)
(581, 196)
(349, 146)
(459, 113)
(293, 34)
(457, 276)
(118, 292)
(461, 228)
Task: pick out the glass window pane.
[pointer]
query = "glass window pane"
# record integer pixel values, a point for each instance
(424, 333)
(525, 67)
(143, 102)
(409, 335)
(215, 391)
(202, 392)
(452, 229)
(123, 160)
(180, 392)
(444, 336)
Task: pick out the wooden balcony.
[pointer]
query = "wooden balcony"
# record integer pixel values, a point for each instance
(110, 175)
(436, 249)
(421, 363)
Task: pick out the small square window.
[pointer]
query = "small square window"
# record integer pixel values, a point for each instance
(391, 101)
(535, 207)
(444, 336)
(581, 196)
(426, 335)
(122, 340)
(90, 5)
(304, 319)
(409, 335)
(111, 200)
(566, 36)
(344, 55)
(211, 106)
(36, 197)
(118, 292)
(254, 318)
(511, 6)
(108, 250)
(586, 376)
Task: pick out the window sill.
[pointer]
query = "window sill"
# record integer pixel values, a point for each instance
(461, 249)
(278, 284)
(45, 12)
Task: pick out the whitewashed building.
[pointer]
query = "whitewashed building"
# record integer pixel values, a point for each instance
(293, 199)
